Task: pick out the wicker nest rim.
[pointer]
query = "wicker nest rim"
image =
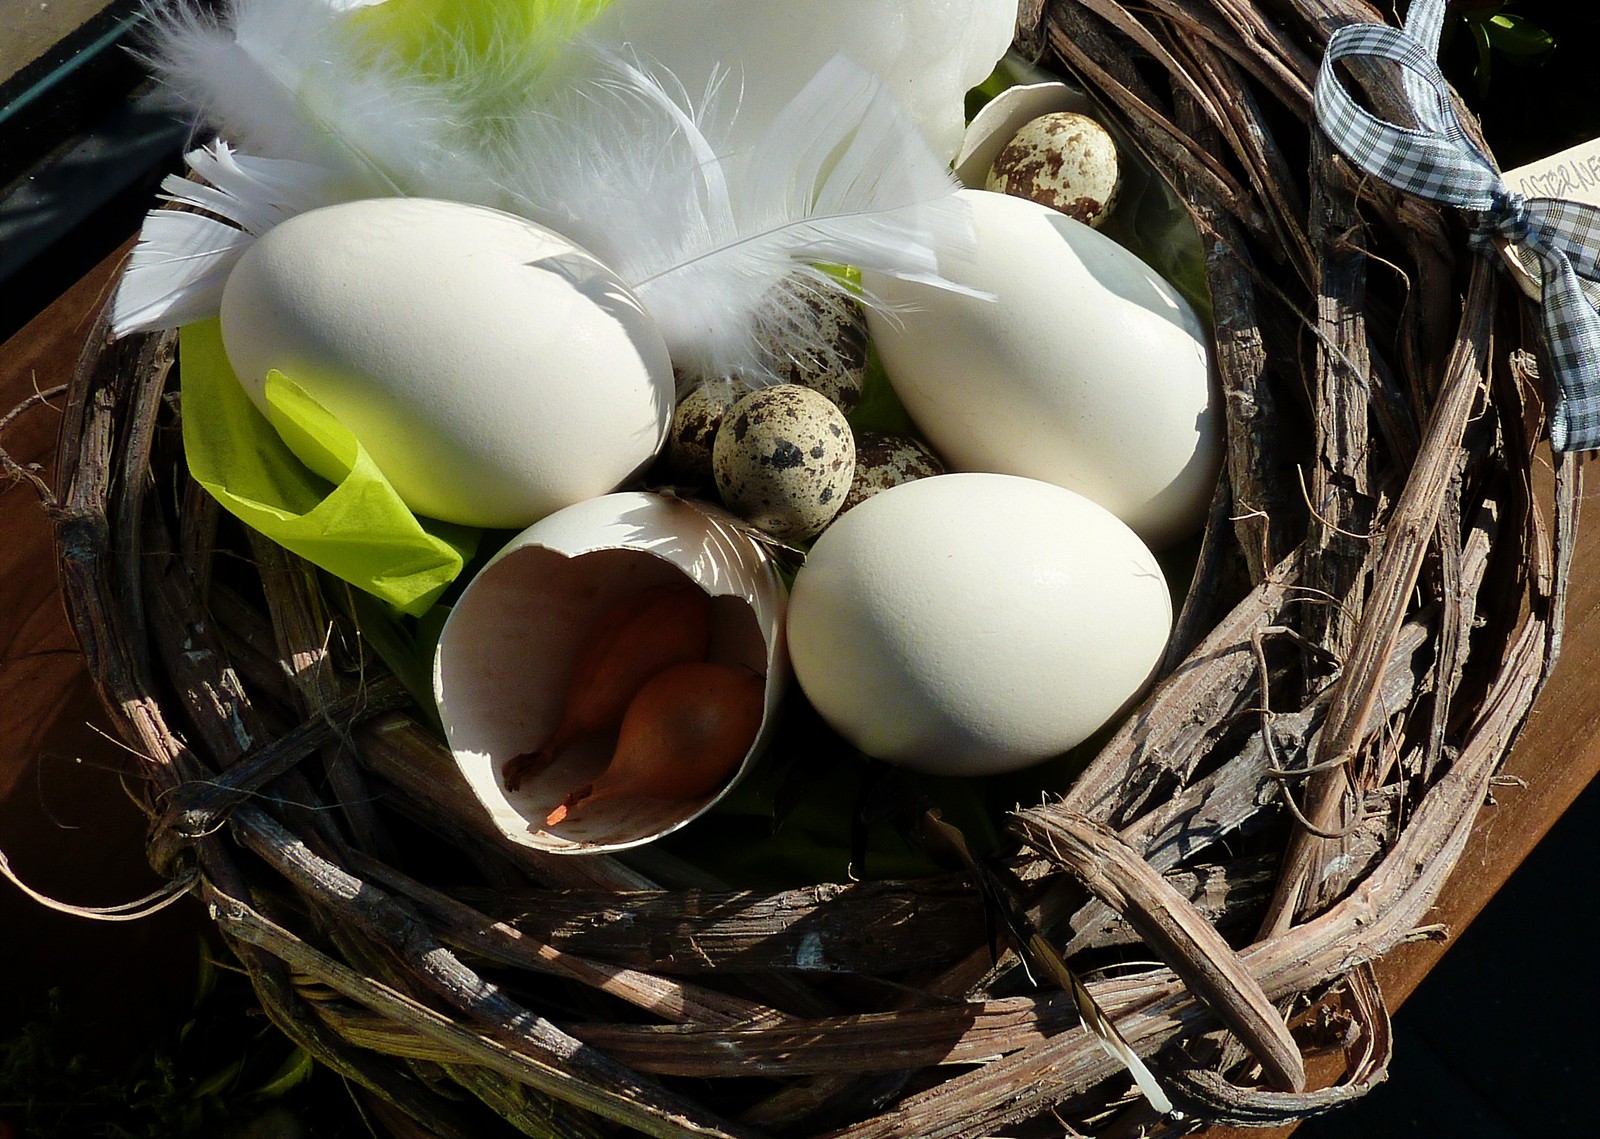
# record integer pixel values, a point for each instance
(1378, 600)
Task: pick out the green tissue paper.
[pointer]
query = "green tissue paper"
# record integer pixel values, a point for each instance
(301, 478)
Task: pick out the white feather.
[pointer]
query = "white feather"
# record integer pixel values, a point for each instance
(712, 241)
(295, 79)
(719, 245)
(253, 193)
(183, 258)
(176, 273)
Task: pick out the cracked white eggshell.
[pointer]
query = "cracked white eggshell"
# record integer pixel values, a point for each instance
(970, 624)
(998, 121)
(1085, 369)
(506, 653)
(493, 370)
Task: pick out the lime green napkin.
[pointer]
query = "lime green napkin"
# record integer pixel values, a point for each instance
(301, 478)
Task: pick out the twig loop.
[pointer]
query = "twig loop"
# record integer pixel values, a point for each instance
(152, 903)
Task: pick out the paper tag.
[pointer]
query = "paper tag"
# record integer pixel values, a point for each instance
(1574, 174)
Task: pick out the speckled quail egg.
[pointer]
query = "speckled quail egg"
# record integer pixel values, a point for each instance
(884, 460)
(1066, 161)
(783, 460)
(694, 429)
(817, 339)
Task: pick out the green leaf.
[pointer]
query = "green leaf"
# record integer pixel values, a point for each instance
(295, 1070)
(218, 1081)
(880, 408)
(980, 95)
(406, 647)
(1480, 39)
(205, 982)
(1517, 37)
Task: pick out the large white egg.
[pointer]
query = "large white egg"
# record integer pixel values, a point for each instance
(967, 624)
(1086, 369)
(494, 371)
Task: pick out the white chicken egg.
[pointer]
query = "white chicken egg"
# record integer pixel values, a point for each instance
(969, 624)
(1085, 369)
(494, 371)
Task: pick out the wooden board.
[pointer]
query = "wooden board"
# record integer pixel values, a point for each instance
(67, 824)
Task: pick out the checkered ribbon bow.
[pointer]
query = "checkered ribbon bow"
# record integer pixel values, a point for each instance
(1437, 161)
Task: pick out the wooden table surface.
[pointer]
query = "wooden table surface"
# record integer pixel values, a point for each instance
(69, 829)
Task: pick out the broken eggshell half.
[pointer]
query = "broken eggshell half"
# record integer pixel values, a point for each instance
(998, 121)
(507, 651)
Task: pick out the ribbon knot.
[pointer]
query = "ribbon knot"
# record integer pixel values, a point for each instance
(1437, 160)
(1507, 216)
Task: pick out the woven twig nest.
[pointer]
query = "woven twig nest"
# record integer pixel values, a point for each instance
(1377, 602)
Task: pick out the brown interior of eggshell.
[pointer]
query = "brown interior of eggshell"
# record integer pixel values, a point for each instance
(507, 664)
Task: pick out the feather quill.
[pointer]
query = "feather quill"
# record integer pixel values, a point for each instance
(718, 244)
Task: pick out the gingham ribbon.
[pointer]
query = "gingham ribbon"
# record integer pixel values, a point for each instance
(1436, 160)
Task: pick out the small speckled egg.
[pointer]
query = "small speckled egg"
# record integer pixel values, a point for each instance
(694, 429)
(884, 460)
(783, 460)
(817, 340)
(1065, 161)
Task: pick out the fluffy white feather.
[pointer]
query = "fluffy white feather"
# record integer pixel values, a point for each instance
(718, 243)
(183, 258)
(298, 79)
(333, 111)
